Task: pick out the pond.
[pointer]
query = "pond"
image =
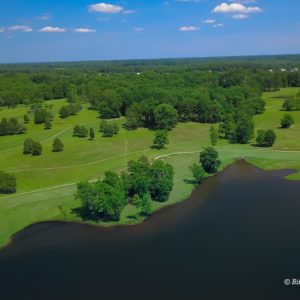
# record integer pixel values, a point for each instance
(236, 237)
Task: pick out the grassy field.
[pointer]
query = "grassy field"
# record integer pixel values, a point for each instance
(46, 184)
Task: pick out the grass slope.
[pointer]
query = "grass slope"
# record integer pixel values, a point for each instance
(46, 184)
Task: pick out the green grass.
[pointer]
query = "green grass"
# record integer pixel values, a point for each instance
(55, 174)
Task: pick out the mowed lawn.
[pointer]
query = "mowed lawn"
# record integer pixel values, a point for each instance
(46, 184)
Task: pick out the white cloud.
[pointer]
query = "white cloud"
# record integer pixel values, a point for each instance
(2, 29)
(236, 8)
(218, 25)
(209, 21)
(128, 12)
(188, 28)
(84, 30)
(103, 19)
(138, 29)
(52, 29)
(44, 16)
(243, 1)
(20, 28)
(194, 1)
(105, 8)
(240, 16)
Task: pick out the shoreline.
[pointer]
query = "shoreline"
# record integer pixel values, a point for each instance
(110, 226)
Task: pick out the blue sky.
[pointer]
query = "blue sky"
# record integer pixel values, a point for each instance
(59, 30)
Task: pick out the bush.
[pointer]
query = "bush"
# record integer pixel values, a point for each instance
(57, 145)
(28, 146)
(198, 173)
(209, 159)
(80, 131)
(109, 129)
(37, 148)
(265, 138)
(48, 124)
(160, 139)
(287, 121)
(8, 183)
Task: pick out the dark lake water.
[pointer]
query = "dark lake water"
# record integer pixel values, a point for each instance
(237, 237)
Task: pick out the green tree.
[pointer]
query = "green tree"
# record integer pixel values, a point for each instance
(26, 119)
(109, 129)
(198, 173)
(136, 201)
(165, 116)
(146, 205)
(48, 124)
(92, 134)
(72, 95)
(64, 111)
(160, 139)
(76, 131)
(287, 121)
(37, 148)
(8, 183)
(161, 180)
(28, 146)
(138, 176)
(116, 128)
(83, 132)
(265, 138)
(57, 145)
(113, 179)
(244, 130)
(209, 159)
(213, 134)
(100, 200)
(40, 115)
(103, 124)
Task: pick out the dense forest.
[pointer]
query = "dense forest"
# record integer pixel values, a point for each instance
(155, 94)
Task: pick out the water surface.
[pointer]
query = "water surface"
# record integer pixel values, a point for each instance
(237, 237)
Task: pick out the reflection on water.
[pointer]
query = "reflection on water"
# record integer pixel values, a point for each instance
(235, 238)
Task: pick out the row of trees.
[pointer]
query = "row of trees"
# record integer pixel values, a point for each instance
(8, 183)
(35, 148)
(142, 183)
(41, 115)
(108, 129)
(80, 131)
(32, 147)
(11, 126)
(88, 82)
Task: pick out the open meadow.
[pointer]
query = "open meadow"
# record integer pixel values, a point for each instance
(46, 184)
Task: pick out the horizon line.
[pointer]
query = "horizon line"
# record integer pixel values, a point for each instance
(148, 59)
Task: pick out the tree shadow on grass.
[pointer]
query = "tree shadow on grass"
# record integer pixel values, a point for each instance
(132, 217)
(81, 213)
(191, 181)
(154, 147)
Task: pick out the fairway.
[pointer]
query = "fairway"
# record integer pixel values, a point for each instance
(46, 184)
